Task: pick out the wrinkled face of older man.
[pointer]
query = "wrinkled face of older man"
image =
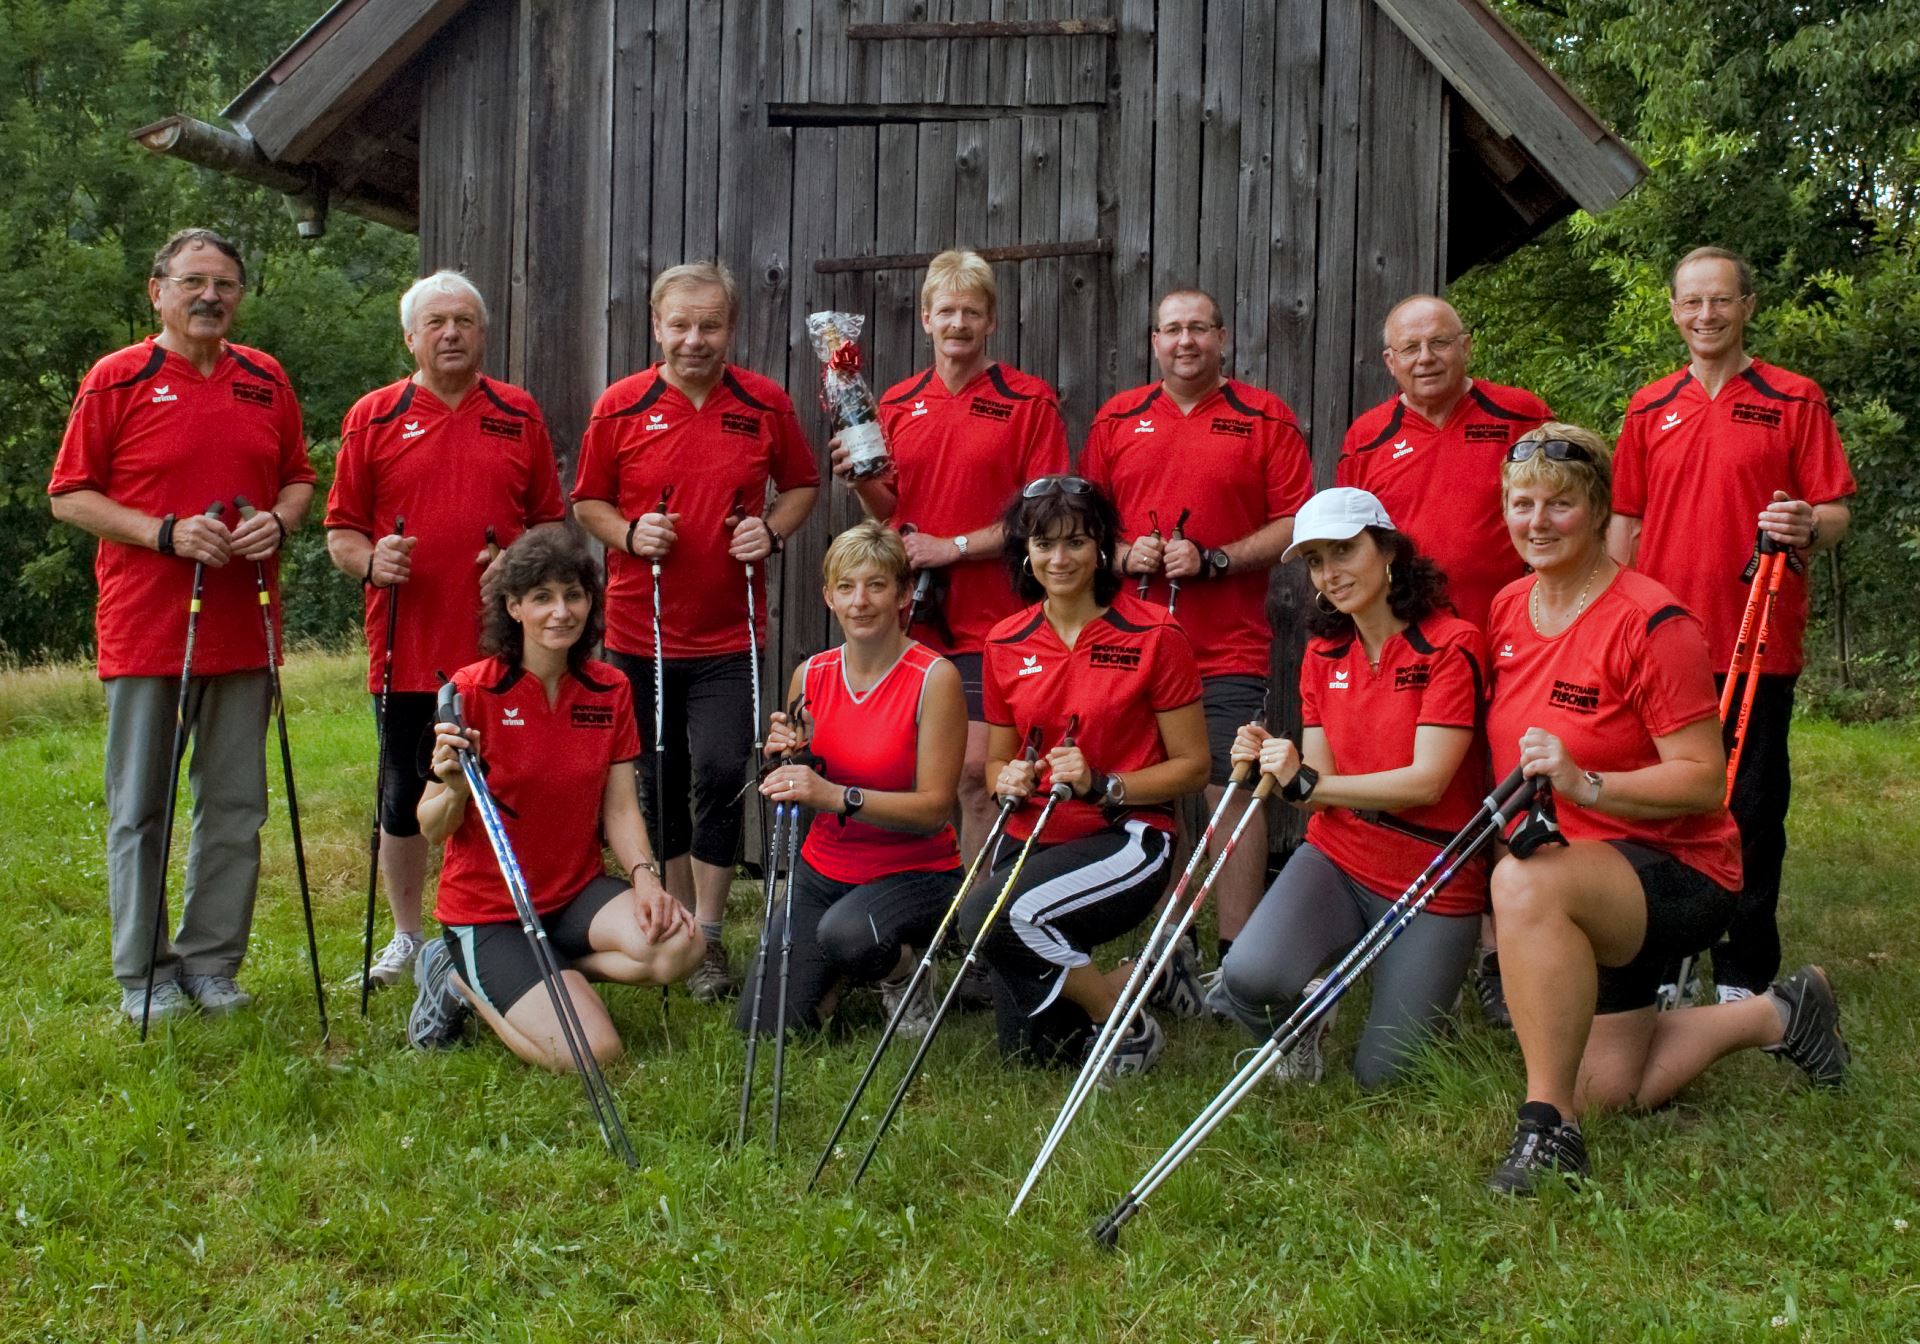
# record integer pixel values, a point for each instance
(448, 338)
(1427, 351)
(694, 327)
(197, 297)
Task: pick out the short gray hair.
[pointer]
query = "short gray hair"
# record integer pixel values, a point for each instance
(449, 284)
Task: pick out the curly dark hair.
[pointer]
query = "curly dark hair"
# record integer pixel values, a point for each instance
(544, 554)
(1091, 513)
(1415, 591)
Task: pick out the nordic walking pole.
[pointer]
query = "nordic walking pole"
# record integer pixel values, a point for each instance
(786, 964)
(1496, 813)
(1179, 534)
(247, 511)
(1148, 969)
(1055, 795)
(925, 968)
(736, 516)
(659, 702)
(599, 1092)
(922, 581)
(1146, 579)
(786, 819)
(380, 773)
(173, 772)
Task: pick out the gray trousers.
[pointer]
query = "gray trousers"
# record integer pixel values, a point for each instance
(1311, 915)
(227, 771)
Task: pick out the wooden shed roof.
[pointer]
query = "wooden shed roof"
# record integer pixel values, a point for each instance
(339, 111)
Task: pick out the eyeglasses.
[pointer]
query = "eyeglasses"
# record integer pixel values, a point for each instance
(1056, 485)
(1694, 304)
(1554, 450)
(194, 284)
(1439, 345)
(1173, 331)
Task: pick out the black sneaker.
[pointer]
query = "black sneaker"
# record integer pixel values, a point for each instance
(1813, 1039)
(1486, 983)
(1541, 1144)
(1178, 988)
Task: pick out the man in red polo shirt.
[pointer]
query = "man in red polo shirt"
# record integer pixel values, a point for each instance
(1230, 457)
(1709, 456)
(965, 434)
(458, 456)
(160, 431)
(714, 435)
(1431, 455)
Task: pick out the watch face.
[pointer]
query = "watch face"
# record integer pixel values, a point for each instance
(1116, 790)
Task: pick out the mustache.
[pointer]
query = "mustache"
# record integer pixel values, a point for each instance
(201, 308)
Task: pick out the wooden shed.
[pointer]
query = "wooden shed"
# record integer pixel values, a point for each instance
(1308, 161)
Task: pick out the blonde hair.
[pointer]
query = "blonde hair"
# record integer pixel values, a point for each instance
(867, 543)
(960, 271)
(1593, 479)
(690, 274)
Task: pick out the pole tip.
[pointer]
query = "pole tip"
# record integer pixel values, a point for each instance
(1106, 1233)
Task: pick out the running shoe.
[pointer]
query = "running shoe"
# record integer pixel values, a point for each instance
(217, 995)
(712, 980)
(169, 1000)
(976, 987)
(1138, 1051)
(1213, 993)
(1813, 1039)
(1731, 993)
(396, 959)
(439, 1013)
(1542, 1147)
(917, 1020)
(1178, 988)
(1304, 1063)
(1493, 996)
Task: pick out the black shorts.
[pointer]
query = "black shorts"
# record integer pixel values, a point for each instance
(1686, 913)
(1231, 702)
(971, 685)
(498, 962)
(409, 730)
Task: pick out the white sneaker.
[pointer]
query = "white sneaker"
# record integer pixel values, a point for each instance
(1138, 1051)
(1303, 1063)
(395, 962)
(169, 1000)
(917, 1020)
(1730, 993)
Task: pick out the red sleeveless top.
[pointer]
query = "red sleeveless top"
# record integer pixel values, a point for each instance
(871, 740)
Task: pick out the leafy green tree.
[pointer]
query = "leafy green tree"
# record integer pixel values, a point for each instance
(83, 210)
(1788, 130)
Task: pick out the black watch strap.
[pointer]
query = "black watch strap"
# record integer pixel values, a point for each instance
(1097, 791)
(164, 542)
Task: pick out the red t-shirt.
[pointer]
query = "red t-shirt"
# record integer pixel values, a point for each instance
(1441, 483)
(1431, 675)
(872, 740)
(1632, 667)
(1696, 470)
(1238, 462)
(959, 458)
(149, 432)
(451, 473)
(1128, 664)
(546, 766)
(645, 435)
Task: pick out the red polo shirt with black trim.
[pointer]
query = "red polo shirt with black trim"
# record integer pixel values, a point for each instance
(451, 472)
(1697, 470)
(1237, 461)
(150, 432)
(959, 458)
(1441, 483)
(546, 766)
(1127, 665)
(646, 435)
(1432, 674)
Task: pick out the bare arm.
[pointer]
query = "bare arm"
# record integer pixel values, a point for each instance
(602, 521)
(444, 804)
(790, 509)
(1623, 540)
(1437, 754)
(624, 825)
(1691, 777)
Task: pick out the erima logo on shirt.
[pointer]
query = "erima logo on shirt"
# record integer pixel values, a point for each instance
(919, 408)
(657, 420)
(510, 718)
(1402, 448)
(161, 393)
(412, 430)
(1506, 650)
(1029, 666)
(1339, 682)
(1144, 427)
(1673, 418)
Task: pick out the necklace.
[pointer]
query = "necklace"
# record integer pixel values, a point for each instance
(1533, 598)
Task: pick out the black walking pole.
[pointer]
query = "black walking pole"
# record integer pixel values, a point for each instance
(380, 775)
(173, 772)
(247, 511)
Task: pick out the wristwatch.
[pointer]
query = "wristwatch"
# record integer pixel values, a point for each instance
(1216, 563)
(852, 799)
(1107, 790)
(1594, 780)
(1301, 786)
(960, 545)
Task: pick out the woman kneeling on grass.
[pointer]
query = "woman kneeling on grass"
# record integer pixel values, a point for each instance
(1391, 693)
(556, 732)
(1602, 686)
(1125, 669)
(887, 724)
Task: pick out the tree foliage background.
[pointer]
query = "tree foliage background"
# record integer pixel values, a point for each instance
(1786, 129)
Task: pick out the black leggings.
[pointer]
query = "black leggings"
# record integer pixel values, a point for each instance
(1749, 954)
(708, 719)
(409, 730)
(841, 929)
(1069, 900)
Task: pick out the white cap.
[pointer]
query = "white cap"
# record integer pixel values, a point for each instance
(1335, 515)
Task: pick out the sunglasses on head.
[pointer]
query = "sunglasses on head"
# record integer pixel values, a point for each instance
(1056, 485)
(1554, 450)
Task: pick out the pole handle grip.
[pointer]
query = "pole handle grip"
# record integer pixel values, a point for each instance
(447, 705)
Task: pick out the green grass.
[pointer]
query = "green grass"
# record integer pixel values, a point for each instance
(232, 1180)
